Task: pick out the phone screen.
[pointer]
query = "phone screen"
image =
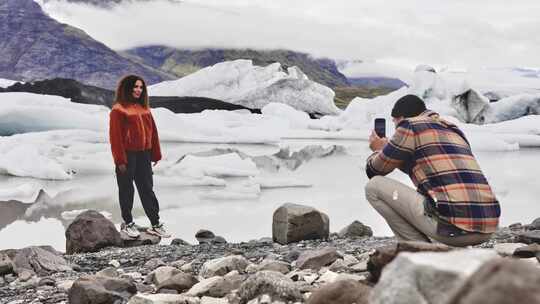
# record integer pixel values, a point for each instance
(380, 127)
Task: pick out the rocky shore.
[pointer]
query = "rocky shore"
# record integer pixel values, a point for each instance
(346, 267)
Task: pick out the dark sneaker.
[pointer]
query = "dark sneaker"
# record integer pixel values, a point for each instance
(159, 230)
(130, 230)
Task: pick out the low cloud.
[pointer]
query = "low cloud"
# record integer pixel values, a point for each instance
(453, 33)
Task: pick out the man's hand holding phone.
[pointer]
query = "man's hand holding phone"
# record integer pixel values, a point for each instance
(377, 139)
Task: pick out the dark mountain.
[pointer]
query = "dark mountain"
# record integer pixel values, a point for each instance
(81, 93)
(181, 62)
(35, 46)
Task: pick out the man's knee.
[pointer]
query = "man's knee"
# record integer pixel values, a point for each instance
(373, 186)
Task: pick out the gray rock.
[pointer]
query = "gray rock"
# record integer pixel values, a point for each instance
(315, 259)
(163, 299)
(178, 264)
(530, 237)
(143, 288)
(188, 268)
(535, 225)
(40, 261)
(222, 266)
(144, 239)
(273, 265)
(167, 291)
(179, 242)
(90, 232)
(427, 277)
(162, 274)
(293, 223)
(500, 281)
(25, 274)
(386, 254)
(114, 263)
(341, 292)
(212, 287)
(210, 300)
(65, 286)
(47, 282)
(356, 229)
(6, 265)
(99, 289)
(108, 272)
(360, 267)
(179, 282)
(274, 284)
(219, 240)
(338, 265)
(153, 264)
(204, 236)
(526, 252)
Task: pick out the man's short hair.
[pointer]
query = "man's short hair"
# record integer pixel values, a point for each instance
(408, 106)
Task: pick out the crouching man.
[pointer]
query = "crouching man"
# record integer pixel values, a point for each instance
(453, 202)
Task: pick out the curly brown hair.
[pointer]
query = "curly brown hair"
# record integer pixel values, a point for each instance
(125, 88)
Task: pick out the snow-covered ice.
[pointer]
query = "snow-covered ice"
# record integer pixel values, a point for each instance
(240, 82)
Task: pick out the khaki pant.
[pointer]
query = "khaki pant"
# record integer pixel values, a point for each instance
(403, 209)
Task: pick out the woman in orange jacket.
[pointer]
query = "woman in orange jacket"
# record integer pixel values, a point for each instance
(135, 144)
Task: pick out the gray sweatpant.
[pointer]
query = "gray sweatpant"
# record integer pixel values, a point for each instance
(403, 209)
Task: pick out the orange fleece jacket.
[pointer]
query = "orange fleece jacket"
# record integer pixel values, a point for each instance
(132, 128)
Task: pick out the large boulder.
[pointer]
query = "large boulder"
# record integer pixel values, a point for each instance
(90, 232)
(224, 265)
(341, 292)
(501, 281)
(294, 222)
(100, 290)
(274, 284)
(427, 277)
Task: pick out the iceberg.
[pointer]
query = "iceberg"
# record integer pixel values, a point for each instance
(240, 82)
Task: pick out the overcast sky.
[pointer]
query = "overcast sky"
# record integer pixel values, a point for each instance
(455, 33)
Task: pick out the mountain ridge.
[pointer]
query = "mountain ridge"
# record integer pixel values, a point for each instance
(34, 46)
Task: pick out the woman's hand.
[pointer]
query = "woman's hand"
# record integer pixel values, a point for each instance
(376, 143)
(122, 168)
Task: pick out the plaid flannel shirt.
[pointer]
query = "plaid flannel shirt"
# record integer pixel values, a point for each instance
(437, 157)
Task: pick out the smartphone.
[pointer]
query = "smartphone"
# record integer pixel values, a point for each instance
(380, 127)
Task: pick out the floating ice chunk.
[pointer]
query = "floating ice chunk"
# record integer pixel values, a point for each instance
(218, 166)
